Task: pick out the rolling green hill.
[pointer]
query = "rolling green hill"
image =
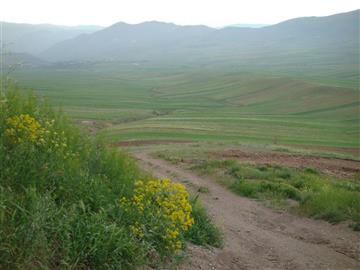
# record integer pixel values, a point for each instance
(128, 103)
(296, 82)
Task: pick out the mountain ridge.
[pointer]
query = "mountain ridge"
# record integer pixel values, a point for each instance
(301, 46)
(121, 40)
(34, 38)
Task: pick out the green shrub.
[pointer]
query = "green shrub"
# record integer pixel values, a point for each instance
(332, 204)
(161, 214)
(319, 196)
(203, 232)
(311, 170)
(59, 195)
(57, 191)
(39, 233)
(267, 189)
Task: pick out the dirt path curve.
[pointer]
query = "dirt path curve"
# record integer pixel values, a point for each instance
(257, 237)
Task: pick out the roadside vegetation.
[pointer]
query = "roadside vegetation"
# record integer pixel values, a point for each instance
(69, 202)
(304, 191)
(205, 233)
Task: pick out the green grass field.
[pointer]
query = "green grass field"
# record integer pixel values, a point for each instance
(132, 101)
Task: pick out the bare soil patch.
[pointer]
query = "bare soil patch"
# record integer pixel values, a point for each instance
(257, 237)
(93, 126)
(331, 166)
(349, 150)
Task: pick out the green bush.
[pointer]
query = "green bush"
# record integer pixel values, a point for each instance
(38, 233)
(333, 204)
(267, 189)
(59, 195)
(161, 214)
(203, 232)
(319, 196)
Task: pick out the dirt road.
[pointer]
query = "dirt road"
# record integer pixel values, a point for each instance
(257, 237)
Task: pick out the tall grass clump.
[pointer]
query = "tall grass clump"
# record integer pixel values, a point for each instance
(316, 194)
(57, 193)
(69, 202)
(203, 232)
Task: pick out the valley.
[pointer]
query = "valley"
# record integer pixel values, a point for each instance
(162, 146)
(135, 103)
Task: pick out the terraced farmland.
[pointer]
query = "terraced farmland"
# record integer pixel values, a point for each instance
(134, 103)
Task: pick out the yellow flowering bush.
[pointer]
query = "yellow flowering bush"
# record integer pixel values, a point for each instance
(23, 128)
(161, 213)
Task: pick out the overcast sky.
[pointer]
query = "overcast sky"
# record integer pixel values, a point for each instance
(214, 13)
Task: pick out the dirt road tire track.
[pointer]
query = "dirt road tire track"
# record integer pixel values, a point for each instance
(257, 237)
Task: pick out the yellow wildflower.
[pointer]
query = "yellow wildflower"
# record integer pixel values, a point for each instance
(164, 209)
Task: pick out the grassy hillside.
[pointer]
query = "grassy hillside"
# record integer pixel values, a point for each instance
(295, 83)
(69, 202)
(130, 102)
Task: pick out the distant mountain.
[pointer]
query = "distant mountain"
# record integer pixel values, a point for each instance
(293, 40)
(34, 38)
(303, 33)
(247, 25)
(126, 40)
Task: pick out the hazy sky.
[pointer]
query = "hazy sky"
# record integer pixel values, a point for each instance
(209, 12)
